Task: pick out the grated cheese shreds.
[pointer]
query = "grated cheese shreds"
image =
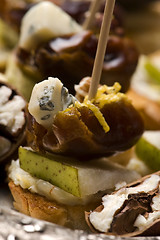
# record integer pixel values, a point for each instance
(96, 112)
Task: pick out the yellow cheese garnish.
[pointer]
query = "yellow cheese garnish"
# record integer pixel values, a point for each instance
(105, 95)
(96, 112)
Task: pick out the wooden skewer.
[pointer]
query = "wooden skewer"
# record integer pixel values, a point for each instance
(101, 48)
(94, 7)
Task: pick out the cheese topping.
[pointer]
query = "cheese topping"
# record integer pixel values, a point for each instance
(47, 99)
(96, 112)
(143, 221)
(94, 181)
(44, 21)
(102, 220)
(108, 95)
(104, 95)
(11, 111)
(44, 188)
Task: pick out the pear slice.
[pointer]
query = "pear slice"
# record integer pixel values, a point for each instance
(79, 179)
(153, 71)
(148, 149)
(51, 170)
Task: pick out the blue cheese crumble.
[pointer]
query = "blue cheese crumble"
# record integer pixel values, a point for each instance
(47, 99)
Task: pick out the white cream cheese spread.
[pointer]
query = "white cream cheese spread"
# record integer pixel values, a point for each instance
(93, 182)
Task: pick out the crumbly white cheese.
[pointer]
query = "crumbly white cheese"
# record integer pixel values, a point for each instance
(103, 175)
(142, 83)
(47, 99)
(44, 188)
(143, 221)
(102, 220)
(44, 21)
(5, 93)
(11, 111)
(93, 181)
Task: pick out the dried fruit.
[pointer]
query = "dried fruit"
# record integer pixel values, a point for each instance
(99, 128)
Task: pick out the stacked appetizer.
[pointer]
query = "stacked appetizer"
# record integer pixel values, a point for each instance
(64, 170)
(145, 90)
(13, 12)
(65, 50)
(12, 122)
(68, 164)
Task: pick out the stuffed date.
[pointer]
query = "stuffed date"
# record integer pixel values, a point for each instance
(13, 12)
(101, 127)
(71, 58)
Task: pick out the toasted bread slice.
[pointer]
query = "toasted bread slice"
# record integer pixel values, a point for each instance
(40, 207)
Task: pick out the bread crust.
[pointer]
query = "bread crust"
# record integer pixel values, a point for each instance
(40, 207)
(36, 206)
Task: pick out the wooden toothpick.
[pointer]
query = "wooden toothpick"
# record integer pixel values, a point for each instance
(101, 48)
(94, 7)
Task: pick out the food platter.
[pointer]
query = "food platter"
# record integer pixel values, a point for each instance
(14, 225)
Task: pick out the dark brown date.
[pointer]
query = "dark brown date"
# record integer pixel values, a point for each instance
(77, 132)
(72, 58)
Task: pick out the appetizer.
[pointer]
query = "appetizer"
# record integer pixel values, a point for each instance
(67, 165)
(64, 171)
(132, 210)
(145, 90)
(67, 51)
(148, 149)
(13, 12)
(12, 122)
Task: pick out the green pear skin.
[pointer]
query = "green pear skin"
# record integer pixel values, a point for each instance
(150, 154)
(51, 170)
